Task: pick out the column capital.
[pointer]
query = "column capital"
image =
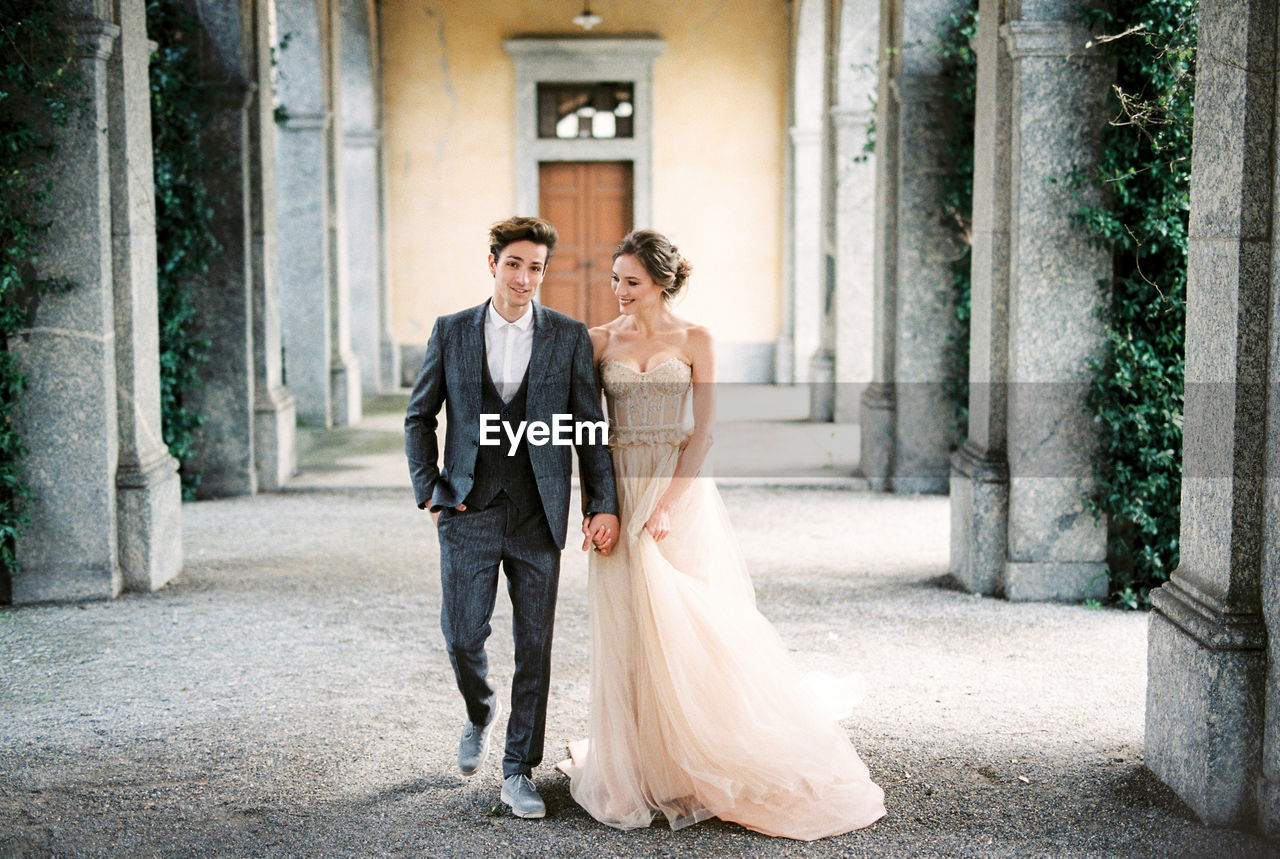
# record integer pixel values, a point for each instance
(1046, 38)
(848, 117)
(95, 39)
(806, 135)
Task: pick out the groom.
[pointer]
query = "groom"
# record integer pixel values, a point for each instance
(507, 504)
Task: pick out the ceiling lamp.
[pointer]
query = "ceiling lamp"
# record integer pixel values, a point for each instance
(587, 19)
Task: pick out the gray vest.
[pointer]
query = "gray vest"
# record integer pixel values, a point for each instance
(495, 470)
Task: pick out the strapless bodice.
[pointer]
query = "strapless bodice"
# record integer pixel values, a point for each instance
(650, 407)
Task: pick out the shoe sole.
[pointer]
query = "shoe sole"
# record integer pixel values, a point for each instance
(484, 752)
(527, 815)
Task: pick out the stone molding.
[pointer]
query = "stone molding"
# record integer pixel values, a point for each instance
(805, 136)
(306, 121)
(144, 473)
(363, 137)
(586, 59)
(880, 395)
(95, 39)
(1046, 38)
(848, 117)
(1204, 620)
(973, 462)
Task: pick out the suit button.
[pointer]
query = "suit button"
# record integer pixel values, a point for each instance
(475, 442)
(471, 477)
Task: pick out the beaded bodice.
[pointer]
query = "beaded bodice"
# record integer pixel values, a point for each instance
(650, 407)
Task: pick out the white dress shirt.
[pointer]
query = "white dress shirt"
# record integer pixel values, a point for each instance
(507, 346)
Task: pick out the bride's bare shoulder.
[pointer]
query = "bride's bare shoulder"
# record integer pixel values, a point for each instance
(600, 336)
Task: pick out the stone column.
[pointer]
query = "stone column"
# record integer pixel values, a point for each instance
(979, 469)
(149, 493)
(362, 168)
(225, 454)
(302, 181)
(1056, 550)
(855, 178)
(344, 369)
(805, 274)
(905, 429)
(1210, 699)
(822, 361)
(275, 444)
(67, 415)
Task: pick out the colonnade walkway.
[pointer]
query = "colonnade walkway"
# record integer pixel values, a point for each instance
(289, 695)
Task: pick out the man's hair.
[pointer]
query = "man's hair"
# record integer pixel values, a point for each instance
(520, 228)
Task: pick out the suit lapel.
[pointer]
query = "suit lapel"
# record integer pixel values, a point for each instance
(472, 353)
(544, 339)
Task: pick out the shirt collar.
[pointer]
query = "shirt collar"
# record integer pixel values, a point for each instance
(523, 323)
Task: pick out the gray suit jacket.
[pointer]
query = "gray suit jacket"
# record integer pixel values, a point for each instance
(561, 381)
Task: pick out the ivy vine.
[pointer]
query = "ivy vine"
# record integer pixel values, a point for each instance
(1136, 397)
(185, 243)
(40, 93)
(960, 67)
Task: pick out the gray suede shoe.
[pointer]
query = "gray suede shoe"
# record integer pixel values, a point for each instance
(474, 747)
(519, 793)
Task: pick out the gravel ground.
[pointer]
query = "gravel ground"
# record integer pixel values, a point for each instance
(289, 695)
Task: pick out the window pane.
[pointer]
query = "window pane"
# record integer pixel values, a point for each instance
(591, 110)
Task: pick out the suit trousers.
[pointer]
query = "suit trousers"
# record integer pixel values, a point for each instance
(473, 544)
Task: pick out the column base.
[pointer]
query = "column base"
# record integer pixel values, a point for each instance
(74, 585)
(879, 410)
(344, 391)
(275, 439)
(1206, 673)
(149, 524)
(822, 387)
(1055, 581)
(979, 519)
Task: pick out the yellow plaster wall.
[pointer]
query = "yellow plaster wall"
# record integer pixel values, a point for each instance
(718, 131)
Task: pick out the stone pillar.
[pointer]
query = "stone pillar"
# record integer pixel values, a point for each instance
(67, 414)
(822, 361)
(226, 455)
(855, 180)
(362, 167)
(805, 275)
(906, 432)
(149, 493)
(344, 369)
(979, 469)
(302, 181)
(1056, 550)
(274, 424)
(1210, 698)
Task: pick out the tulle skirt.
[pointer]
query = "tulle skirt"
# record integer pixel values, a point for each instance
(697, 710)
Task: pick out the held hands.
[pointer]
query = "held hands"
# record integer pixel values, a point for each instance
(601, 531)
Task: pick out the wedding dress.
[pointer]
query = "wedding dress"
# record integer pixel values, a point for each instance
(697, 710)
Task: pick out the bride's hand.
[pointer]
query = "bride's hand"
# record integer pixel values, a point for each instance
(659, 523)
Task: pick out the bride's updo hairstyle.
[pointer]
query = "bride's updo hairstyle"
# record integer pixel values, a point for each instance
(660, 259)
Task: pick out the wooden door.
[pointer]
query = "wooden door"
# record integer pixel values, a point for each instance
(590, 205)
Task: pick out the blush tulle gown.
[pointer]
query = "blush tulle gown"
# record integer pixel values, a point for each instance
(697, 710)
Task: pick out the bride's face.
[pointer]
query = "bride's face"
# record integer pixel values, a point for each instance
(633, 286)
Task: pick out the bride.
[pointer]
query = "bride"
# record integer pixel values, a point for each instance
(696, 709)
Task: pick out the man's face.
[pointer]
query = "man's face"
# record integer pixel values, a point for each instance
(517, 273)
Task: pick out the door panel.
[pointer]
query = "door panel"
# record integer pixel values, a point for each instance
(590, 205)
